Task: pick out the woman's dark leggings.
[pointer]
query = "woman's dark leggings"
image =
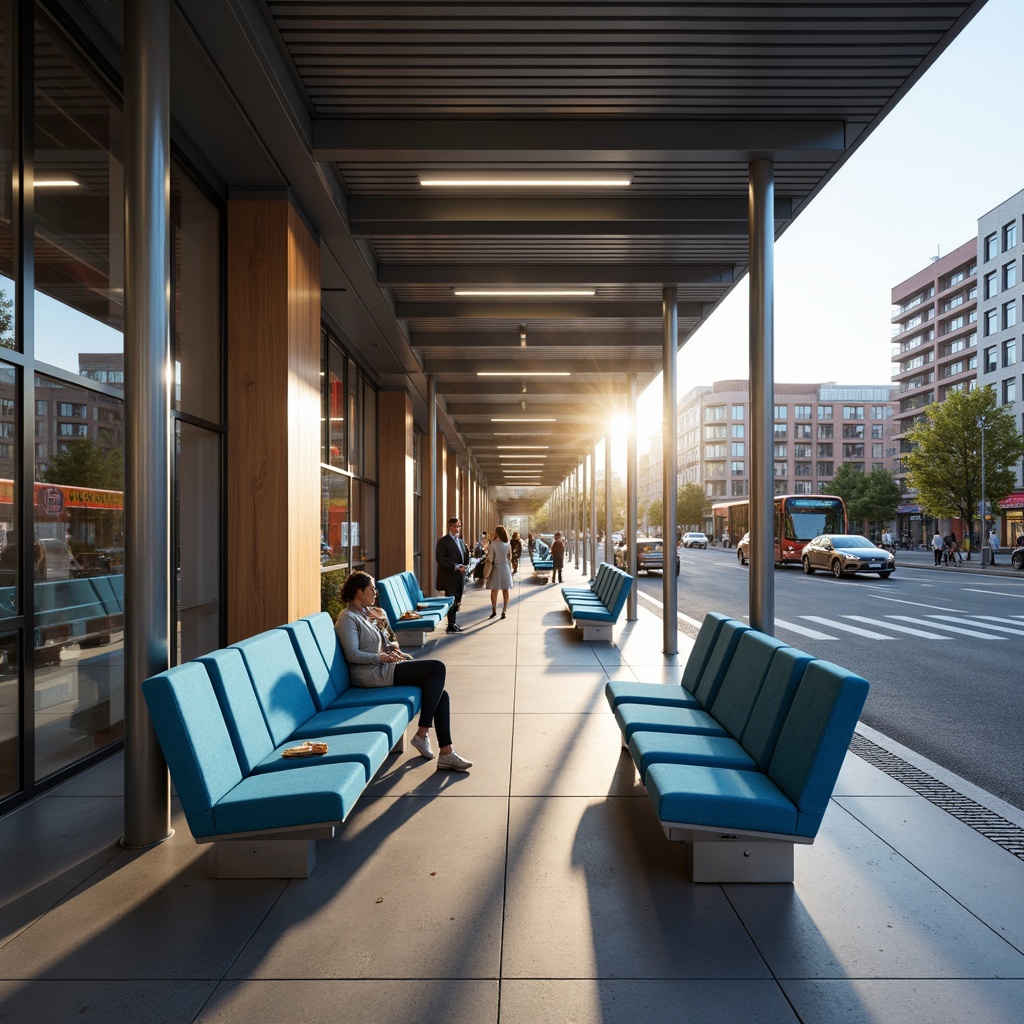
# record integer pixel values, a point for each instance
(435, 708)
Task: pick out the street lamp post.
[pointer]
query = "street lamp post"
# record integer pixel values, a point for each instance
(982, 424)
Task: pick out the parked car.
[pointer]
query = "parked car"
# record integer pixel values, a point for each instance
(695, 540)
(650, 555)
(844, 553)
(743, 549)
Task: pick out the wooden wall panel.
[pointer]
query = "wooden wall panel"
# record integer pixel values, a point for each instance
(395, 482)
(273, 417)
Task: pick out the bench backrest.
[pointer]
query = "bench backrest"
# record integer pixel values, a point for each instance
(761, 734)
(814, 739)
(243, 715)
(323, 687)
(393, 598)
(412, 587)
(106, 595)
(195, 740)
(742, 681)
(617, 601)
(321, 625)
(279, 682)
(707, 635)
(718, 661)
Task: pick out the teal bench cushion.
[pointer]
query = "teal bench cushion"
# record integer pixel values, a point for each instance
(761, 733)
(658, 718)
(322, 685)
(727, 798)
(390, 719)
(742, 681)
(650, 748)
(367, 749)
(321, 625)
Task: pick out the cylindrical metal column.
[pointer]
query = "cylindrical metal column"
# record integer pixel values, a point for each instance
(147, 177)
(609, 554)
(593, 509)
(669, 582)
(426, 566)
(583, 516)
(762, 373)
(631, 495)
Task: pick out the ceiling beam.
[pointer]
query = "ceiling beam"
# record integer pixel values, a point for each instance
(509, 386)
(540, 309)
(504, 338)
(553, 140)
(592, 366)
(509, 275)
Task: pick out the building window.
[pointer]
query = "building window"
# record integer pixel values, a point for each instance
(853, 412)
(878, 430)
(739, 430)
(825, 451)
(1010, 275)
(991, 359)
(737, 469)
(714, 451)
(801, 469)
(991, 322)
(803, 431)
(780, 430)
(714, 412)
(801, 412)
(853, 430)
(824, 431)
(1009, 352)
(1009, 391)
(738, 449)
(780, 451)
(714, 468)
(738, 412)
(738, 488)
(877, 451)
(801, 451)
(781, 469)
(72, 430)
(881, 412)
(714, 433)
(853, 451)
(991, 285)
(1009, 315)
(802, 487)
(1009, 235)
(991, 246)
(824, 412)
(781, 412)
(715, 488)
(781, 487)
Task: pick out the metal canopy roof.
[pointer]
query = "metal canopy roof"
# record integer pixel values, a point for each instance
(676, 97)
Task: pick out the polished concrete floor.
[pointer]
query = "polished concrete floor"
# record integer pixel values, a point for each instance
(536, 889)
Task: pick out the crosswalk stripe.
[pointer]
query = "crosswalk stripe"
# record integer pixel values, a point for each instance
(899, 629)
(951, 629)
(983, 624)
(804, 630)
(847, 629)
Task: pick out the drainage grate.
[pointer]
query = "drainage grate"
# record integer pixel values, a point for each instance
(989, 824)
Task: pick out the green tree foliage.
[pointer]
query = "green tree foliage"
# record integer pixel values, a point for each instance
(945, 462)
(83, 463)
(655, 514)
(692, 506)
(6, 320)
(870, 497)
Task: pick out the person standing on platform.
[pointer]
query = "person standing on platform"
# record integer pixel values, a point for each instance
(557, 558)
(498, 569)
(516, 546)
(452, 557)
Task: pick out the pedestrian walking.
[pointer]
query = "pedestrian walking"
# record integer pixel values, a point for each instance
(993, 543)
(937, 545)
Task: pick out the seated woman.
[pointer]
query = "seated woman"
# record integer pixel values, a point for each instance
(375, 660)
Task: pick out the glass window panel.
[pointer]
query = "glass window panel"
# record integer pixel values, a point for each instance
(334, 406)
(197, 502)
(335, 527)
(364, 526)
(79, 225)
(78, 539)
(369, 430)
(9, 561)
(355, 440)
(196, 279)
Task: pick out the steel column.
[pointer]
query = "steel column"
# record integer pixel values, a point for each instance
(593, 509)
(629, 531)
(762, 372)
(670, 359)
(609, 555)
(147, 29)
(426, 569)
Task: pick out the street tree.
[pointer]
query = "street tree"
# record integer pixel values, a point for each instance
(655, 513)
(6, 320)
(869, 497)
(83, 463)
(945, 461)
(692, 506)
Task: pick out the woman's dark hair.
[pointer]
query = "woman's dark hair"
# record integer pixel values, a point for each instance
(356, 581)
(502, 534)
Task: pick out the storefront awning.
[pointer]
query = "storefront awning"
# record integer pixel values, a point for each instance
(1015, 500)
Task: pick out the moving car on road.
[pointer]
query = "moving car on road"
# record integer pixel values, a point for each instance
(846, 553)
(695, 540)
(650, 555)
(743, 549)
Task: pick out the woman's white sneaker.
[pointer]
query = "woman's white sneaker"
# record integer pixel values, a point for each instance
(452, 762)
(422, 744)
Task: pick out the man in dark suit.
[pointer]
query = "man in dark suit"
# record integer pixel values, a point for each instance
(452, 557)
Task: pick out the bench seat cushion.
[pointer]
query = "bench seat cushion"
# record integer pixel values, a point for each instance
(369, 696)
(367, 749)
(310, 795)
(596, 614)
(625, 691)
(726, 798)
(659, 718)
(650, 748)
(391, 719)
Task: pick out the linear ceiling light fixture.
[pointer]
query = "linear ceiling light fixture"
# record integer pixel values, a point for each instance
(526, 181)
(57, 183)
(522, 447)
(523, 419)
(524, 373)
(524, 293)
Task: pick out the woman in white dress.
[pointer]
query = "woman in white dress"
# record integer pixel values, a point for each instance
(498, 569)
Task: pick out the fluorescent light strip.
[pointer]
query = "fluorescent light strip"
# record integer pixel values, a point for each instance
(523, 373)
(525, 293)
(57, 183)
(538, 181)
(523, 419)
(523, 447)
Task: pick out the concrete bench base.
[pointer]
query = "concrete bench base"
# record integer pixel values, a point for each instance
(262, 858)
(734, 857)
(411, 637)
(595, 630)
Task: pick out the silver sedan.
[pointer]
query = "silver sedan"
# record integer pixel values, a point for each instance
(846, 553)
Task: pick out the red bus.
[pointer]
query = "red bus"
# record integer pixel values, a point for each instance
(798, 519)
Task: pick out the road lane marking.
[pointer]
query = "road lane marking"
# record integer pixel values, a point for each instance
(982, 624)
(920, 604)
(992, 593)
(899, 629)
(951, 629)
(847, 629)
(804, 630)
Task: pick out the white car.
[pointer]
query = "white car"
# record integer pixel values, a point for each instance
(695, 540)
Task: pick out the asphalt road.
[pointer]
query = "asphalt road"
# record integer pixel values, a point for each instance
(941, 649)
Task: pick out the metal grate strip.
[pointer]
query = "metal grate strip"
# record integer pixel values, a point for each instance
(987, 823)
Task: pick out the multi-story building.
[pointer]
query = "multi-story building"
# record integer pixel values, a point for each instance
(817, 427)
(935, 351)
(1000, 249)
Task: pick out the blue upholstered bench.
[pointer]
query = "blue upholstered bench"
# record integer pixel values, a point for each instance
(740, 760)
(541, 559)
(394, 595)
(596, 609)
(224, 720)
(419, 599)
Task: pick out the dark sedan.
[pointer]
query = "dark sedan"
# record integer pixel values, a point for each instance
(845, 553)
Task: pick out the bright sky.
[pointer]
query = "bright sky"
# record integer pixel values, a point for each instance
(950, 152)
